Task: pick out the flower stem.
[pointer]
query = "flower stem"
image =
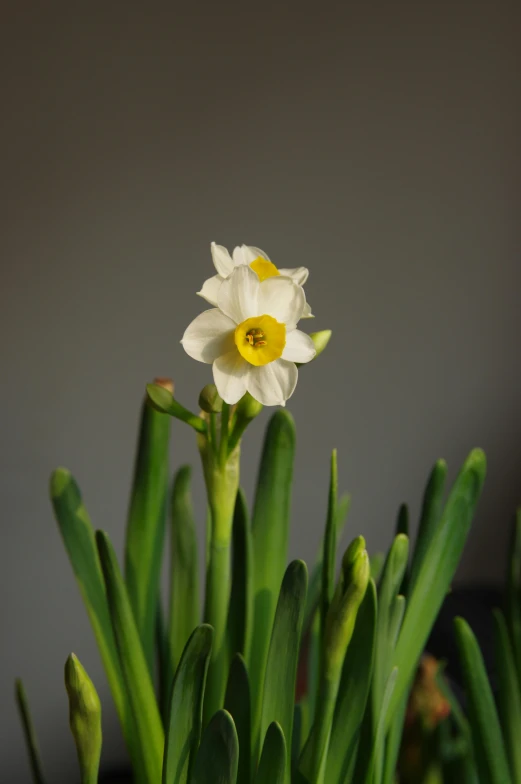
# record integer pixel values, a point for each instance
(223, 446)
(215, 613)
(221, 473)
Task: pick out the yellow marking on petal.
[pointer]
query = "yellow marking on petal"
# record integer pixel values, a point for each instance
(264, 268)
(260, 339)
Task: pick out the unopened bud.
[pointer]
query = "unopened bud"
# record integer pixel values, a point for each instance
(248, 408)
(341, 617)
(166, 383)
(84, 717)
(321, 339)
(210, 400)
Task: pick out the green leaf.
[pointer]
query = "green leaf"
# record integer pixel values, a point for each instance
(186, 707)
(184, 578)
(329, 550)
(149, 730)
(513, 591)
(146, 524)
(509, 694)
(238, 704)
(79, 540)
(218, 754)
(353, 692)
(272, 766)
(437, 570)
(281, 669)
(393, 743)
(376, 562)
(430, 517)
(270, 527)
(31, 740)
(389, 611)
(488, 743)
(382, 721)
(240, 613)
(84, 719)
(402, 527)
(315, 581)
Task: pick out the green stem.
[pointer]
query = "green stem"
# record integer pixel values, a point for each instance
(223, 446)
(215, 613)
(213, 430)
(222, 482)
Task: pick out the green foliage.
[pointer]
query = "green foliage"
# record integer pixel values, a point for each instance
(347, 645)
(146, 524)
(31, 740)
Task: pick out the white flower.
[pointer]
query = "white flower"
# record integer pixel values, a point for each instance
(251, 338)
(251, 257)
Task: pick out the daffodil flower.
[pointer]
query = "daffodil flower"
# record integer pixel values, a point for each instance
(258, 261)
(251, 338)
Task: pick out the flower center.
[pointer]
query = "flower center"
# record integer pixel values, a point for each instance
(260, 339)
(264, 268)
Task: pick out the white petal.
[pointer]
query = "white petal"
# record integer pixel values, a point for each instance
(210, 289)
(297, 274)
(250, 253)
(238, 256)
(239, 294)
(306, 313)
(230, 372)
(274, 383)
(208, 336)
(222, 260)
(282, 299)
(299, 347)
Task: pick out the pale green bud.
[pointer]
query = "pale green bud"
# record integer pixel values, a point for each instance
(248, 408)
(341, 616)
(84, 718)
(210, 400)
(321, 339)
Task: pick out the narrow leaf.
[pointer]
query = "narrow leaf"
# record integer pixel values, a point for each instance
(217, 757)
(437, 570)
(240, 613)
(238, 704)
(270, 527)
(315, 581)
(430, 516)
(184, 578)
(79, 540)
(31, 740)
(513, 591)
(186, 707)
(488, 744)
(281, 669)
(509, 694)
(146, 524)
(272, 766)
(149, 730)
(329, 550)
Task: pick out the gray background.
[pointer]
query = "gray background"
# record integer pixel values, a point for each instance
(375, 143)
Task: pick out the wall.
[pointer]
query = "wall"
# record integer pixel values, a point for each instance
(377, 144)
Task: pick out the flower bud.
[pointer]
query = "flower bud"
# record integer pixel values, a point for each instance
(321, 339)
(84, 718)
(248, 408)
(210, 400)
(341, 616)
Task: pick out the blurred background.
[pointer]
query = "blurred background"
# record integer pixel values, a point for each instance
(375, 143)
